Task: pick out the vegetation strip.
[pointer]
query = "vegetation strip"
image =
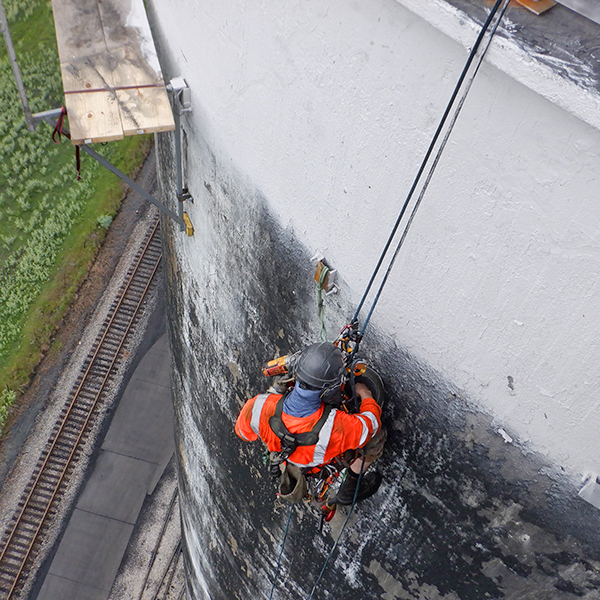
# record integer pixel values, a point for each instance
(51, 225)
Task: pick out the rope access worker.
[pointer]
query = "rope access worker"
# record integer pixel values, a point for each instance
(306, 415)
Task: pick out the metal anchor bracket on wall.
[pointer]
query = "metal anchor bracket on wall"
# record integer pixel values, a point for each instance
(182, 104)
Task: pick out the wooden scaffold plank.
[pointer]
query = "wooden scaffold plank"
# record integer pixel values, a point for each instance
(111, 74)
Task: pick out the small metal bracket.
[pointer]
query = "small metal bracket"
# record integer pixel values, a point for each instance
(182, 219)
(182, 103)
(182, 96)
(590, 492)
(142, 192)
(324, 275)
(185, 195)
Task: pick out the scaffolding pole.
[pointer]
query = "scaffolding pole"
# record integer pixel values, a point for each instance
(15, 68)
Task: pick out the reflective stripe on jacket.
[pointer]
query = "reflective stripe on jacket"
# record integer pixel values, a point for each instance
(340, 432)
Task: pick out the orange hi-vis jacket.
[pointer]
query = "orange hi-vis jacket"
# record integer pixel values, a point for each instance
(340, 432)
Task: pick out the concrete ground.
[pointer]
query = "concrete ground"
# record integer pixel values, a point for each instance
(133, 456)
(152, 568)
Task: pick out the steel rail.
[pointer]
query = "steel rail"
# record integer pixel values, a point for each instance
(133, 272)
(170, 572)
(160, 539)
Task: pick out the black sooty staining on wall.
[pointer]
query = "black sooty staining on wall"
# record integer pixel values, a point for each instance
(461, 514)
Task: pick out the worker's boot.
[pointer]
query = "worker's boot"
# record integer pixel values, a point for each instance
(369, 484)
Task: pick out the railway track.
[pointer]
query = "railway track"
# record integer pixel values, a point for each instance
(166, 588)
(164, 580)
(38, 509)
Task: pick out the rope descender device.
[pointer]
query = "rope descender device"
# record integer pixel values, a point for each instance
(349, 339)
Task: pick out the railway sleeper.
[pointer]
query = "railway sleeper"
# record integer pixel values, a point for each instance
(137, 297)
(27, 526)
(65, 442)
(73, 425)
(89, 393)
(46, 486)
(20, 547)
(110, 346)
(76, 390)
(7, 576)
(73, 422)
(129, 305)
(7, 579)
(140, 285)
(101, 367)
(89, 390)
(35, 506)
(79, 408)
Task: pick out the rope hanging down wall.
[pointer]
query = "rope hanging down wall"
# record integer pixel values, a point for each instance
(437, 145)
(445, 126)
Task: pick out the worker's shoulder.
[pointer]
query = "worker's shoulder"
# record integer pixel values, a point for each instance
(265, 397)
(367, 405)
(267, 401)
(264, 400)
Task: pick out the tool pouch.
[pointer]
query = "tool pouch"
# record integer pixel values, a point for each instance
(292, 484)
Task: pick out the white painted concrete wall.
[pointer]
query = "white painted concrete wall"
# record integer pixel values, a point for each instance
(328, 107)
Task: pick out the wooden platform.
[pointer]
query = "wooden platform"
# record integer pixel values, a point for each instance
(537, 6)
(111, 74)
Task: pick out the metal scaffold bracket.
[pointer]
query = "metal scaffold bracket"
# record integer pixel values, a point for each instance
(182, 103)
(189, 228)
(181, 217)
(148, 93)
(131, 183)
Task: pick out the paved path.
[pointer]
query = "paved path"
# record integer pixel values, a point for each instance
(137, 447)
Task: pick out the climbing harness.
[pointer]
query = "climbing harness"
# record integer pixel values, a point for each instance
(290, 441)
(337, 540)
(351, 335)
(339, 537)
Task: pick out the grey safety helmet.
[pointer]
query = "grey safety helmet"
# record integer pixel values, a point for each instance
(320, 366)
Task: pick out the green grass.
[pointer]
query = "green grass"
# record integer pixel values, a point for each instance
(51, 225)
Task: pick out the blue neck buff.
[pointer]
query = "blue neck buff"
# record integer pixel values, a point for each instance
(301, 403)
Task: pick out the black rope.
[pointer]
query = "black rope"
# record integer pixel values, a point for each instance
(430, 173)
(339, 537)
(78, 162)
(58, 128)
(426, 158)
(428, 154)
(59, 131)
(287, 528)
